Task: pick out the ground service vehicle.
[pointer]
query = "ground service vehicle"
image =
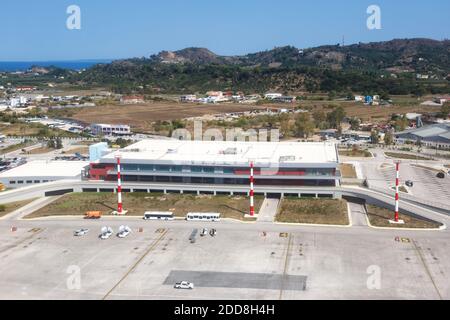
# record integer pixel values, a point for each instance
(193, 235)
(93, 215)
(155, 215)
(213, 232)
(194, 216)
(204, 232)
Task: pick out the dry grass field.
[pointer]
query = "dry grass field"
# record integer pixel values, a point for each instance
(348, 170)
(379, 217)
(140, 117)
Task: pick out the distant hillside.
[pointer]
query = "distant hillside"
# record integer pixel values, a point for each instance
(381, 66)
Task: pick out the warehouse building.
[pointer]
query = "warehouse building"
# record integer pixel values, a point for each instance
(432, 136)
(222, 163)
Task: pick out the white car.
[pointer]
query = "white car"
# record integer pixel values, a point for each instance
(184, 285)
(106, 233)
(124, 231)
(80, 233)
(204, 232)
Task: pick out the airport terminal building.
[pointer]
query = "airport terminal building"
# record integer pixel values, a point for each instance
(222, 163)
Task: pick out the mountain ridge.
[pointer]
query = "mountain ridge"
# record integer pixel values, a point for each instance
(323, 68)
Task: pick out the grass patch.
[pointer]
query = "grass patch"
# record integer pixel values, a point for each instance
(313, 211)
(355, 153)
(15, 147)
(348, 171)
(401, 189)
(13, 206)
(406, 156)
(379, 217)
(137, 203)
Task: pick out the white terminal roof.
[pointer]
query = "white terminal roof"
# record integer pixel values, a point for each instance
(227, 153)
(46, 169)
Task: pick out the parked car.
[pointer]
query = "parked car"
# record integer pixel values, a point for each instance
(204, 232)
(409, 183)
(441, 175)
(106, 233)
(81, 232)
(184, 285)
(124, 231)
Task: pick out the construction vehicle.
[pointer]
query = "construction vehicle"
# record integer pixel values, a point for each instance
(2, 187)
(93, 215)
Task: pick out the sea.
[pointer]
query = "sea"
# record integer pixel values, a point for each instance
(12, 66)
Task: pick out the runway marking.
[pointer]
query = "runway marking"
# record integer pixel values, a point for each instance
(153, 246)
(286, 264)
(419, 252)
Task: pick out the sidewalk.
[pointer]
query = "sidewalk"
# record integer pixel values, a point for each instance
(268, 210)
(29, 208)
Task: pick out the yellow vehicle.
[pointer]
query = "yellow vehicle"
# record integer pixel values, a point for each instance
(2, 187)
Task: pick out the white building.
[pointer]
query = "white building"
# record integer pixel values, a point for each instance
(271, 96)
(279, 164)
(110, 129)
(41, 171)
(188, 98)
(17, 102)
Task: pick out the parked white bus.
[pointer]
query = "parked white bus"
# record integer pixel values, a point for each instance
(155, 215)
(200, 216)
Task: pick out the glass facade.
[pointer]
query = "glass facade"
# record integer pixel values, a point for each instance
(215, 170)
(224, 181)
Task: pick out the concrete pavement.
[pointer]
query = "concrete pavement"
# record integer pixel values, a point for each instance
(268, 210)
(358, 213)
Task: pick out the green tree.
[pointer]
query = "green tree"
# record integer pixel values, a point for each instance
(51, 144)
(320, 119)
(350, 96)
(304, 126)
(335, 117)
(59, 144)
(401, 123)
(419, 91)
(355, 123)
(374, 137)
(445, 110)
(388, 138)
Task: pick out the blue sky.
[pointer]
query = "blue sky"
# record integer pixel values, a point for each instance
(36, 30)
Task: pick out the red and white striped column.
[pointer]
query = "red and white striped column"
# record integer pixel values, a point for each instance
(119, 188)
(252, 191)
(397, 182)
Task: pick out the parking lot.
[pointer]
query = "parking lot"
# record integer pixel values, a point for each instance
(42, 260)
(426, 185)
